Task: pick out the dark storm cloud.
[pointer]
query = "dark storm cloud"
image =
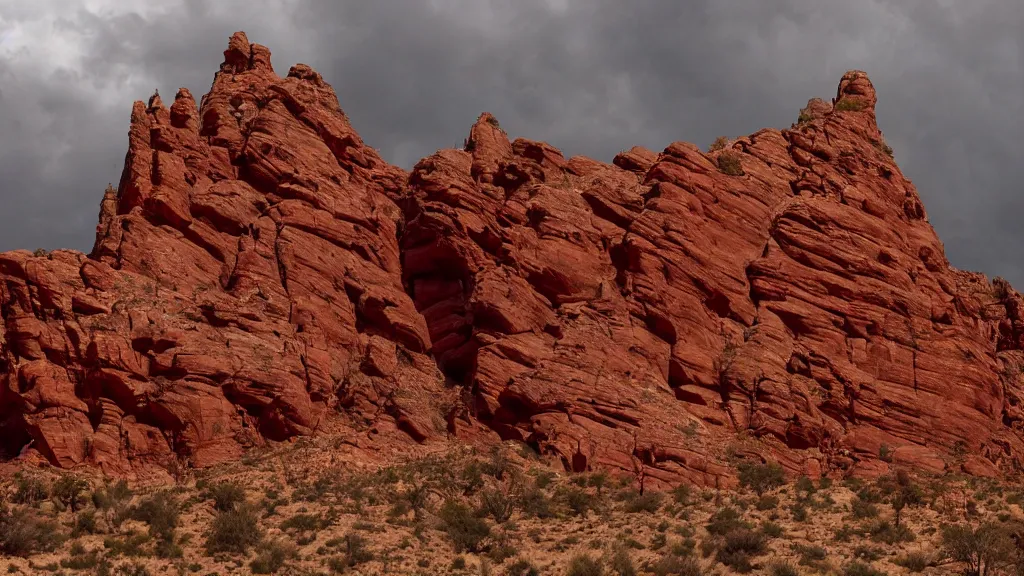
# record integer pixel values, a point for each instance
(590, 76)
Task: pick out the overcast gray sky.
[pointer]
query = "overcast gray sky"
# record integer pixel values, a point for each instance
(590, 76)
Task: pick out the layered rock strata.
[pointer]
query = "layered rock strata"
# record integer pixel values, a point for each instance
(260, 273)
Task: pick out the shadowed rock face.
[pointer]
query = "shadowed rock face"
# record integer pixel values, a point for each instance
(261, 273)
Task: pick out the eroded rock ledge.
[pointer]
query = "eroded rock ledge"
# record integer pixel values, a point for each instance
(261, 273)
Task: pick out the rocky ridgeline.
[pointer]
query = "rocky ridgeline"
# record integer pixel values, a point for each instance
(260, 273)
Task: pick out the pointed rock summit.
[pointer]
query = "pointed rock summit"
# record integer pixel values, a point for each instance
(259, 273)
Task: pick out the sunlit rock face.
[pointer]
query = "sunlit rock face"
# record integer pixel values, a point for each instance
(260, 273)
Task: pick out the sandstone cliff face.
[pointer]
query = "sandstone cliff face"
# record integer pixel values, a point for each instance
(260, 273)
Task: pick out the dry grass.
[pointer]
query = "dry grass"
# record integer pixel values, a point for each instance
(464, 512)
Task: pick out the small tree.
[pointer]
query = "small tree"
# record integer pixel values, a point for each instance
(905, 493)
(985, 549)
(70, 491)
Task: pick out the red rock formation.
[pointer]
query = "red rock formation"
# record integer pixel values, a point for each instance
(245, 283)
(261, 273)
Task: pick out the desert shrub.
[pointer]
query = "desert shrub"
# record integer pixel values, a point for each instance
(682, 494)
(498, 463)
(845, 532)
(761, 478)
(30, 489)
(471, 476)
(497, 504)
(718, 144)
(111, 496)
(805, 484)
(673, 565)
(848, 105)
(23, 533)
(578, 501)
(904, 493)
(225, 495)
(872, 494)
(772, 529)
(85, 523)
(620, 562)
(810, 555)
(168, 547)
(234, 531)
(584, 565)
(305, 523)
(913, 561)
(782, 568)
(860, 508)
(272, 556)
(726, 520)
(70, 491)
(160, 511)
(534, 502)
(356, 553)
(729, 163)
(889, 533)
(501, 549)
(543, 478)
(683, 548)
(648, 502)
(739, 547)
(79, 559)
(522, 567)
(466, 531)
(598, 480)
(130, 545)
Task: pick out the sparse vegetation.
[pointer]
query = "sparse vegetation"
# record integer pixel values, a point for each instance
(729, 163)
(505, 513)
(648, 502)
(983, 549)
(272, 557)
(70, 491)
(234, 531)
(719, 144)
(850, 105)
(24, 532)
(913, 561)
(761, 478)
(584, 565)
(226, 495)
(465, 530)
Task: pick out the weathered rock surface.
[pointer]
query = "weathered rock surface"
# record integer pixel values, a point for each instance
(261, 273)
(245, 283)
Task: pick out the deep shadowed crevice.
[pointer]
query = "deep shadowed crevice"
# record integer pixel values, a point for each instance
(14, 436)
